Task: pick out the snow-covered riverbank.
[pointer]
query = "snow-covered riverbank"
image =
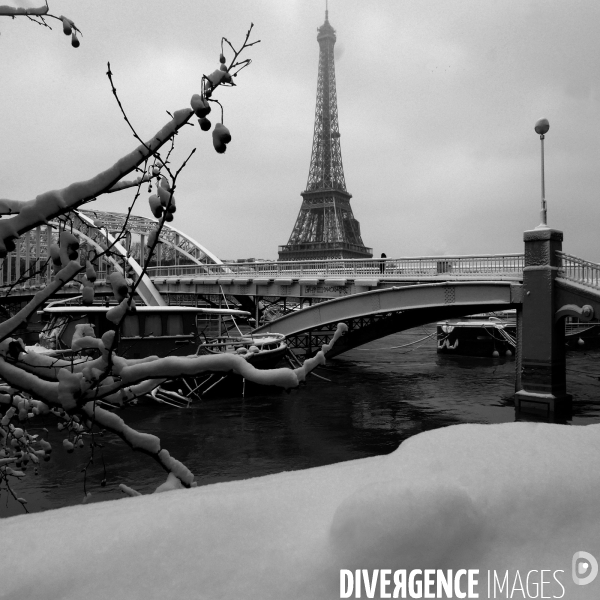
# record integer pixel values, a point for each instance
(517, 497)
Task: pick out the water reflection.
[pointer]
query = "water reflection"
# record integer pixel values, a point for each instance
(377, 397)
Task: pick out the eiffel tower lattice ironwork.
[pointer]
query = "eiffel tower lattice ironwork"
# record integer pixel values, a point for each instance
(325, 227)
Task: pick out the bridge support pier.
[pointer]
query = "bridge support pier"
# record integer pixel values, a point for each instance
(519, 351)
(542, 359)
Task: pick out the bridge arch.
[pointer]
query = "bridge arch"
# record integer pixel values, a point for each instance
(24, 269)
(180, 247)
(85, 229)
(378, 313)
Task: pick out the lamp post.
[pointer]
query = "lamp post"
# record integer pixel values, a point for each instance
(542, 127)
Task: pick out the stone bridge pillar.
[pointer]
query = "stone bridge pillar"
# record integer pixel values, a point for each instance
(543, 374)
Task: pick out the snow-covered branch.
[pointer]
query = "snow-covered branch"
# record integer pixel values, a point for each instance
(71, 385)
(18, 11)
(124, 185)
(78, 391)
(74, 389)
(63, 276)
(39, 15)
(51, 204)
(142, 442)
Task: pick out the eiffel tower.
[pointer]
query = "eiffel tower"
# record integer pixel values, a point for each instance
(325, 227)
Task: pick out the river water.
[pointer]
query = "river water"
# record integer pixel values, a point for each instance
(376, 397)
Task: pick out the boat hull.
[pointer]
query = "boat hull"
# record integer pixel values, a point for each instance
(475, 339)
(497, 338)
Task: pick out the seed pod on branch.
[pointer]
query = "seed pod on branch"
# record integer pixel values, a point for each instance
(67, 25)
(87, 295)
(165, 197)
(216, 77)
(205, 124)
(155, 206)
(55, 255)
(69, 245)
(68, 239)
(200, 106)
(90, 272)
(119, 285)
(221, 137)
(152, 238)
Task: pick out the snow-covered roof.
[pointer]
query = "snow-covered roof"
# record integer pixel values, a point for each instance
(147, 309)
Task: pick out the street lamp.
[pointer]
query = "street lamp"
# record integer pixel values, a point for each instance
(542, 127)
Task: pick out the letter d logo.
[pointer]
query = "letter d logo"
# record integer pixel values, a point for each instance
(585, 568)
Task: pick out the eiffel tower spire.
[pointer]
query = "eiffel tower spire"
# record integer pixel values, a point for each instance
(325, 227)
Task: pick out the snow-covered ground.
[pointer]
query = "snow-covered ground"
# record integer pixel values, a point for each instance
(521, 497)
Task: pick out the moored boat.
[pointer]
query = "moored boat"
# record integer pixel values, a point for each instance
(480, 335)
(163, 331)
(495, 335)
(150, 330)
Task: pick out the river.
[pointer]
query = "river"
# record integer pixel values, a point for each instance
(376, 397)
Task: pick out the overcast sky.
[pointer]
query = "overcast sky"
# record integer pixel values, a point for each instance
(437, 103)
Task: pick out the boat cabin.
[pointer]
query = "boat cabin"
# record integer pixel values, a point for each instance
(151, 330)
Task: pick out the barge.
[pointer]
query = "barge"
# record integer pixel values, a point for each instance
(495, 335)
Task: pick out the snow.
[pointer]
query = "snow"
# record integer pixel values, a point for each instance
(116, 313)
(172, 483)
(512, 496)
(10, 10)
(173, 366)
(149, 443)
(176, 468)
(37, 349)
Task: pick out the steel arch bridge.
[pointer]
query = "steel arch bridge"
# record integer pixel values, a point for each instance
(28, 268)
(176, 248)
(376, 314)
(374, 297)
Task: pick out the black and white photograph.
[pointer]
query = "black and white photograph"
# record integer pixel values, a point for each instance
(299, 299)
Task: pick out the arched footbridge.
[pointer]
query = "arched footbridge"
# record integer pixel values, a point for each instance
(378, 313)
(28, 269)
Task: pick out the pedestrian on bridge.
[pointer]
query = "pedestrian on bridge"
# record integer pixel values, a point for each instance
(382, 263)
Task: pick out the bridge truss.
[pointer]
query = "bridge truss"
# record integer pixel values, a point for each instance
(28, 268)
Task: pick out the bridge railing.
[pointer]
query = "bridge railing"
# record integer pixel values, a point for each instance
(579, 270)
(390, 268)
